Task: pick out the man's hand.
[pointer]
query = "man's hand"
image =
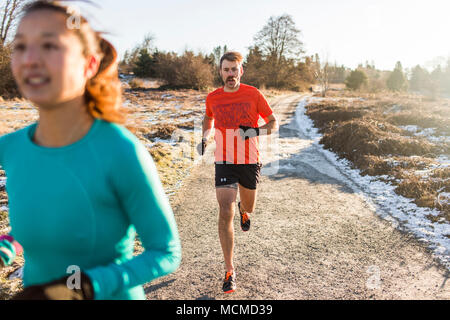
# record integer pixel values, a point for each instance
(248, 132)
(58, 290)
(201, 147)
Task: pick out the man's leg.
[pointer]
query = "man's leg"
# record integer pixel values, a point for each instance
(248, 199)
(226, 196)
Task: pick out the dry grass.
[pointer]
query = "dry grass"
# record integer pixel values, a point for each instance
(365, 129)
(355, 138)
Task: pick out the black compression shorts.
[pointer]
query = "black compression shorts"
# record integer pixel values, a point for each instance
(229, 175)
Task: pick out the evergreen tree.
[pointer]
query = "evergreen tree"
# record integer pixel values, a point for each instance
(420, 79)
(356, 79)
(397, 80)
(254, 66)
(144, 65)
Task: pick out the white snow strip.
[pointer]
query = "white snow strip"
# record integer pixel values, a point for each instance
(401, 211)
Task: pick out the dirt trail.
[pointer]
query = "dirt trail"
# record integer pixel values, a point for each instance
(311, 238)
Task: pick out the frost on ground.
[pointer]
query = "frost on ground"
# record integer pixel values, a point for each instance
(400, 211)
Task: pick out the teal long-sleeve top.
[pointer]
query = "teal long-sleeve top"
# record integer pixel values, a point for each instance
(82, 204)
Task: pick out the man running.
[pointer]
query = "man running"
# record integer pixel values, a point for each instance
(235, 109)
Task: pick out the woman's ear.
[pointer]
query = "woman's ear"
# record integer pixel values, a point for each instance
(93, 63)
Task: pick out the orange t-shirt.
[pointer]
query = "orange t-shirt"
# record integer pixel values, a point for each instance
(229, 110)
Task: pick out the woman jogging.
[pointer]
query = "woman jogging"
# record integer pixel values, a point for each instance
(80, 185)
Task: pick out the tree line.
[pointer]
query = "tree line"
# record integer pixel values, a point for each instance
(275, 60)
(417, 80)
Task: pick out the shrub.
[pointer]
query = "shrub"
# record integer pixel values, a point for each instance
(356, 79)
(8, 88)
(188, 71)
(136, 83)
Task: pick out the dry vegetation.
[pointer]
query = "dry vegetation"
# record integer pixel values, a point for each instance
(398, 137)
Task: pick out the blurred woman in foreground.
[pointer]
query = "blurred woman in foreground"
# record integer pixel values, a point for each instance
(80, 185)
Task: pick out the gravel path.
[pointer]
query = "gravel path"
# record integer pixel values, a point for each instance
(311, 237)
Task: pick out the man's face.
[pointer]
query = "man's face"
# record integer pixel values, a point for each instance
(231, 73)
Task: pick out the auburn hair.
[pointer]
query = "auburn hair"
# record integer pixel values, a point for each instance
(103, 94)
(231, 56)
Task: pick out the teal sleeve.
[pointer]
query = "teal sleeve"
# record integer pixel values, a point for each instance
(137, 184)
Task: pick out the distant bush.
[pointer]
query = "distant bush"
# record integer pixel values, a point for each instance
(188, 71)
(375, 85)
(144, 65)
(356, 79)
(397, 80)
(8, 88)
(136, 83)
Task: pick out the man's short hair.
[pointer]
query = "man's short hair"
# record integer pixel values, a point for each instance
(231, 56)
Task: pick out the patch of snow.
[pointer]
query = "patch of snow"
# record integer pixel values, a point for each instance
(428, 133)
(159, 140)
(394, 109)
(443, 160)
(411, 128)
(444, 198)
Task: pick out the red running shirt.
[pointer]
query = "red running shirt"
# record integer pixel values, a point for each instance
(229, 110)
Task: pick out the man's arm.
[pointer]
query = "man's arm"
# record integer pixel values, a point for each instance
(270, 126)
(207, 126)
(267, 129)
(206, 129)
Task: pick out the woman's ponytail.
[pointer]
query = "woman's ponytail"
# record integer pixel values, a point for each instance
(103, 91)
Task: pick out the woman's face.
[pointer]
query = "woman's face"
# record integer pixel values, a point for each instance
(47, 62)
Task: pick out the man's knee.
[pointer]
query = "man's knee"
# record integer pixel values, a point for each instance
(226, 211)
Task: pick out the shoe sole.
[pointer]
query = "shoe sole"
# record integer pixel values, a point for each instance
(230, 291)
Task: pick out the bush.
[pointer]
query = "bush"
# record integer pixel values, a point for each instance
(144, 65)
(356, 79)
(188, 71)
(8, 88)
(397, 81)
(136, 83)
(355, 138)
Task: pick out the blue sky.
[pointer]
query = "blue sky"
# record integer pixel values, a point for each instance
(346, 31)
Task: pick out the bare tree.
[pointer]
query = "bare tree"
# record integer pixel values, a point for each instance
(279, 39)
(322, 74)
(9, 12)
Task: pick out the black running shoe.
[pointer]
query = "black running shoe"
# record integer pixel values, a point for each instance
(229, 284)
(245, 220)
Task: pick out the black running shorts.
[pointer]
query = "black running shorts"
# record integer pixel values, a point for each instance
(229, 175)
